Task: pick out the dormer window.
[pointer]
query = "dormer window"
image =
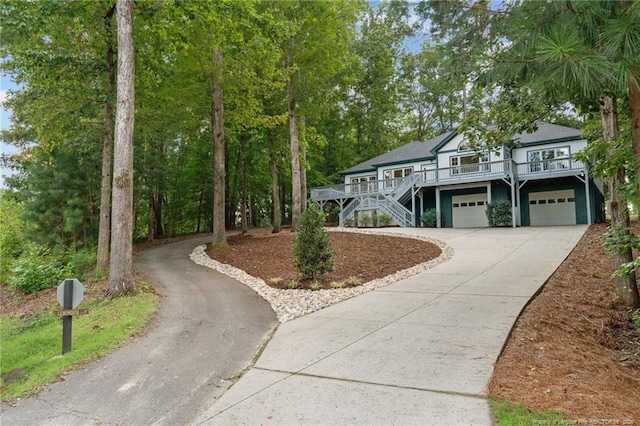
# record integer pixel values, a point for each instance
(464, 146)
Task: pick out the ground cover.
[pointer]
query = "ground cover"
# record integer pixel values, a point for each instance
(358, 257)
(31, 334)
(575, 349)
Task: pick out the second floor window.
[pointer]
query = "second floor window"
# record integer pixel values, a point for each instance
(391, 177)
(469, 163)
(548, 159)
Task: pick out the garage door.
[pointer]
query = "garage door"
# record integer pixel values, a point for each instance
(552, 208)
(469, 211)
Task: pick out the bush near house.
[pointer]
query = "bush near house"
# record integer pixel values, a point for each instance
(312, 248)
(429, 218)
(384, 219)
(499, 213)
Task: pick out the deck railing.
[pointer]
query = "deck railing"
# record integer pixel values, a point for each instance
(549, 167)
(465, 173)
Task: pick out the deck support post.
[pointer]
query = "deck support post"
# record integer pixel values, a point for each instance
(438, 214)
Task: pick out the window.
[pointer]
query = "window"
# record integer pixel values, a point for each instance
(469, 163)
(549, 159)
(391, 177)
(464, 146)
(360, 184)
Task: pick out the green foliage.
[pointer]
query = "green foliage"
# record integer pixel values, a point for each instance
(384, 219)
(275, 280)
(38, 269)
(429, 218)
(293, 284)
(635, 317)
(365, 219)
(12, 234)
(499, 213)
(506, 413)
(349, 222)
(81, 263)
(337, 284)
(312, 249)
(353, 281)
(33, 343)
(315, 286)
(621, 240)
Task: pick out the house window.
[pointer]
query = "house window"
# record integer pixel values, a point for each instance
(549, 159)
(469, 163)
(361, 184)
(391, 177)
(464, 146)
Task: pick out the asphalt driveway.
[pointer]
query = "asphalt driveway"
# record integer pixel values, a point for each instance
(420, 351)
(208, 330)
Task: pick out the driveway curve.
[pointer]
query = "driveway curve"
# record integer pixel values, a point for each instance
(208, 330)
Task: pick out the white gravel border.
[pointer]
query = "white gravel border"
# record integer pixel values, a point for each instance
(291, 304)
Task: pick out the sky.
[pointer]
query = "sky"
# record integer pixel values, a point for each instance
(5, 121)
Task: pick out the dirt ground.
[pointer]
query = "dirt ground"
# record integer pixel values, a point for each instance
(574, 349)
(266, 256)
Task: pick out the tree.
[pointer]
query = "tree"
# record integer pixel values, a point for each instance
(563, 50)
(312, 247)
(121, 279)
(104, 232)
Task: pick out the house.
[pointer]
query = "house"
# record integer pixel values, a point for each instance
(537, 175)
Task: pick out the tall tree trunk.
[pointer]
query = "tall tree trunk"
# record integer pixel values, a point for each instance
(626, 287)
(243, 198)
(296, 183)
(296, 197)
(303, 165)
(199, 218)
(275, 194)
(634, 100)
(121, 279)
(217, 135)
(151, 219)
(104, 227)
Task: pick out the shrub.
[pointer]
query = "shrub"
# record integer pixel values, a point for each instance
(365, 219)
(39, 269)
(385, 219)
(429, 218)
(292, 285)
(81, 263)
(315, 286)
(312, 249)
(12, 234)
(499, 213)
(349, 222)
(353, 281)
(337, 284)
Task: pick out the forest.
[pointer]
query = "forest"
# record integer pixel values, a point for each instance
(241, 106)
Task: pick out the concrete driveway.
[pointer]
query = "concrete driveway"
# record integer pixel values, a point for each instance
(420, 351)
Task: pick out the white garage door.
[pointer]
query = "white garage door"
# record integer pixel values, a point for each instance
(552, 208)
(469, 211)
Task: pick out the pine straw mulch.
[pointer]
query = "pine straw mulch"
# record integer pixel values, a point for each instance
(364, 256)
(574, 349)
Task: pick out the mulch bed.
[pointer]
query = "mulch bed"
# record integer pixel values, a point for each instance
(575, 349)
(367, 257)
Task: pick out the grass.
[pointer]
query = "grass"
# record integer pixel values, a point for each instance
(506, 413)
(34, 344)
